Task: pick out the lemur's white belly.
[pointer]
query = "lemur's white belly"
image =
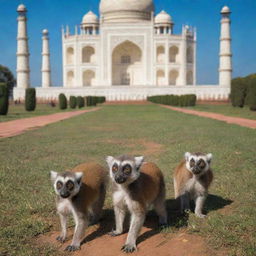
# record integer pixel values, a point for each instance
(122, 197)
(194, 188)
(65, 207)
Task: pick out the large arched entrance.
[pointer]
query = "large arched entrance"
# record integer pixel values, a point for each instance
(127, 64)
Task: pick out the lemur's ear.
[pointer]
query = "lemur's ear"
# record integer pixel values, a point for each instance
(53, 175)
(209, 157)
(187, 155)
(138, 161)
(79, 176)
(109, 160)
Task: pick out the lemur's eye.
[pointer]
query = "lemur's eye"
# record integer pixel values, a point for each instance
(127, 169)
(59, 185)
(192, 162)
(114, 168)
(70, 185)
(201, 163)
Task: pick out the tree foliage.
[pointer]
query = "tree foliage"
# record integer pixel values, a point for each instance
(8, 78)
(4, 99)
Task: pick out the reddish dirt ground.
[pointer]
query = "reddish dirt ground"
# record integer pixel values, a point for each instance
(228, 119)
(128, 102)
(204, 102)
(16, 127)
(150, 242)
(149, 147)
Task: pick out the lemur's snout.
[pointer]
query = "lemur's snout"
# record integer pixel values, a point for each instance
(196, 170)
(64, 194)
(120, 179)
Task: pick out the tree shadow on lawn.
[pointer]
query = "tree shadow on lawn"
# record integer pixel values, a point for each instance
(175, 219)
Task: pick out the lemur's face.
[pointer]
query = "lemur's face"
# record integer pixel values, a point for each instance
(198, 163)
(67, 184)
(124, 169)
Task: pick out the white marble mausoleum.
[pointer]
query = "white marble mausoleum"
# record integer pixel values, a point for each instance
(128, 53)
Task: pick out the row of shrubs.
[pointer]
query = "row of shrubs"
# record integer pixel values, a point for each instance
(30, 100)
(243, 92)
(174, 100)
(79, 101)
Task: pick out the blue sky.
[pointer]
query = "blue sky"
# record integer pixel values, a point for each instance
(203, 14)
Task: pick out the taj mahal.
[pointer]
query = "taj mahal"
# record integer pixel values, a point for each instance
(128, 53)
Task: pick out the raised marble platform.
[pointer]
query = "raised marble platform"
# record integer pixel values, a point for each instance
(117, 93)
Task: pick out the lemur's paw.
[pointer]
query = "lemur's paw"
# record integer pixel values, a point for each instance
(61, 239)
(162, 225)
(200, 215)
(114, 233)
(127, 248)
(72, 248)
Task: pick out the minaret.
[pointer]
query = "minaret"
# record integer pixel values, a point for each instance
(23, 71)
(225, 69)
(46, 68)
(183, 69)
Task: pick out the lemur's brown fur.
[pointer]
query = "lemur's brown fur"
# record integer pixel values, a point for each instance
(92, 188)
(182, 176)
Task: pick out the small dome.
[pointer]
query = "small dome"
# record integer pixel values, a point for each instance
(225, 9)
(21, 8)
(163, 18)
(45, 31)
(90, 18)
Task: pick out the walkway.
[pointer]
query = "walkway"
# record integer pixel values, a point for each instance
(19, 126)
(228, 119)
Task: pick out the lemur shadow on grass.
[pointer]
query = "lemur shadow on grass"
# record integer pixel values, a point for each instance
(214, 202)
(175, 218)
(106, 224)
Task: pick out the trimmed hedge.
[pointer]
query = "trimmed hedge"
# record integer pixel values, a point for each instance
(72, 102)
(251, 99)
(101, 99)
(4, 99)
(94, 100)
(174, 100)
(80, 102)
(242, 90)
(238, 92)
(30, 99)
(63, 103)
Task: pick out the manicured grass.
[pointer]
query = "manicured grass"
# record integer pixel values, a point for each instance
(27, 198)
(18, 111)
(228, 110)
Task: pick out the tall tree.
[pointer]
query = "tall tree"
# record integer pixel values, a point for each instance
(7, 77)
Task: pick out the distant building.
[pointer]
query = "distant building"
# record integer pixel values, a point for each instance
(129, 54)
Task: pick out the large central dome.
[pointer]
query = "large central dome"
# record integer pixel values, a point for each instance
(126, 10)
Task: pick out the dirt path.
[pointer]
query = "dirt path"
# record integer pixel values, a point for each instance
(228, 119)
(16, 127)
(151, 242)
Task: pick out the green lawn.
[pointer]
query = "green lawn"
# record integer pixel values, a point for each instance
(228, 110)
(18, 111)
(27, 198)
